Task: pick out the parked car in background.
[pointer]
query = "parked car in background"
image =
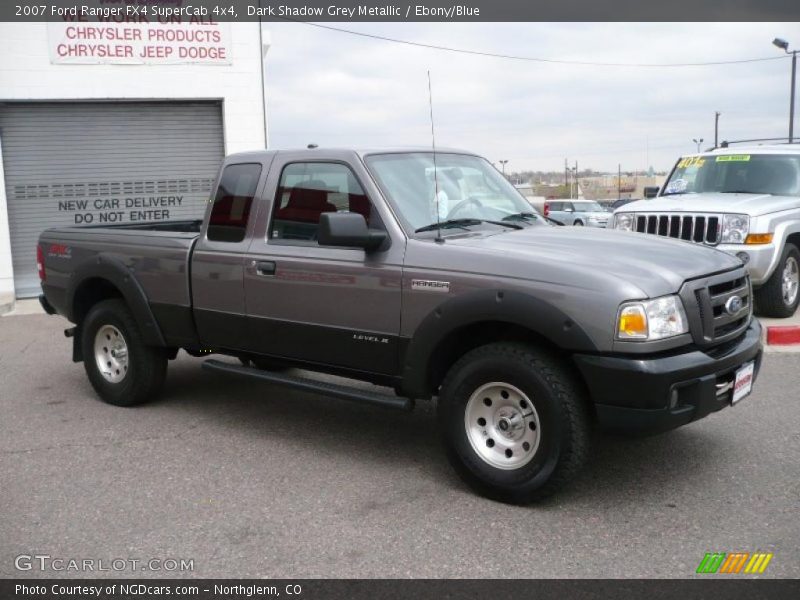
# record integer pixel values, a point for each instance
(577, 212)
(745, 201)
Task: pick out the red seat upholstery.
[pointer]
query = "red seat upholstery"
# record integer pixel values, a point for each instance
(359, 204)
(305, 205)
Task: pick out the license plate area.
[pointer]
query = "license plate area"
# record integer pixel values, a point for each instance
(743, 382)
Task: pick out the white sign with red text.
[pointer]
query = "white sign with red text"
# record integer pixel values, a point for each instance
(147, 43)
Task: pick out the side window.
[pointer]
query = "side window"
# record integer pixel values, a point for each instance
(557, 206)
(306, 190)
(233, 202)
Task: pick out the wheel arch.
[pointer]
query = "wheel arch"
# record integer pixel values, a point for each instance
(104, 278)
(478, 318)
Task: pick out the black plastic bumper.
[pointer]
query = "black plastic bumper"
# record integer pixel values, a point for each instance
(654, 394)
(48, 308)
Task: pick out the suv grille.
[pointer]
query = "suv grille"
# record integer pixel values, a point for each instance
(701, 229)
(719, 317)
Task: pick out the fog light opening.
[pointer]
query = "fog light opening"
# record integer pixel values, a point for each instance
(743, 256)
(673, 399)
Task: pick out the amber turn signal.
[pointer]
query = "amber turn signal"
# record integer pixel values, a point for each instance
(758, 238)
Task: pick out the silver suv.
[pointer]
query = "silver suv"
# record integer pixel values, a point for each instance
(744, 201)
(577, 212)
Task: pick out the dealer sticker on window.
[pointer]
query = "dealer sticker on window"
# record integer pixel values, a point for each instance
(743, 383)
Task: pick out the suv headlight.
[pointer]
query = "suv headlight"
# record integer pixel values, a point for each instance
(649, 320)
(735, 229)
(624, 221)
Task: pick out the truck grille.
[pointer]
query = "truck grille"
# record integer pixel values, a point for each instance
(720, 316)
(701, 229)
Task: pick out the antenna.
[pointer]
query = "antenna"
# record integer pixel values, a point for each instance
(439, 238)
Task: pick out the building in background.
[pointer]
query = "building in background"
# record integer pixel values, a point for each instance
(118, 123)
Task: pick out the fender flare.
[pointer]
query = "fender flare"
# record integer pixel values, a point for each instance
(472, 308)
(122, 278)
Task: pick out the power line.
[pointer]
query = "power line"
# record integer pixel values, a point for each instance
(532, 58)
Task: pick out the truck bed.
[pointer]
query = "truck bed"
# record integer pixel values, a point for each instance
(157, 252)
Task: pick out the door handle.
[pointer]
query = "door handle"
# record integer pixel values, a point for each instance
(265, 267)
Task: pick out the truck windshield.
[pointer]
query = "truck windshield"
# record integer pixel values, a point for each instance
(774, 174)
(470, 189)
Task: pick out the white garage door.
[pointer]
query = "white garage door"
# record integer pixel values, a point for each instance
(99, 163)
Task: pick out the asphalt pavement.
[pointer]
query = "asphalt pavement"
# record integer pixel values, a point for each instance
(250, 480)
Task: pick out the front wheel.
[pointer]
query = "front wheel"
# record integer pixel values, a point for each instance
(515, 422)
(780, 296)
(121, 368)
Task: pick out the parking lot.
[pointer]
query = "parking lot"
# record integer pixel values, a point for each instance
(252, 480)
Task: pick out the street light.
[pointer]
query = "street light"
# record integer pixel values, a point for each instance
(698, 142)
(784, 45)
(503, 165)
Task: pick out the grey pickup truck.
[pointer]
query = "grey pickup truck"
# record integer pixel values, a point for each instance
(427, 274)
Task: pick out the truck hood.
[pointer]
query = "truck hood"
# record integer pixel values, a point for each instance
(752, 204)
(657, 266)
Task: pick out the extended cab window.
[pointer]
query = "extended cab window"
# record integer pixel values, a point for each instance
(306, 190)
(233, 202)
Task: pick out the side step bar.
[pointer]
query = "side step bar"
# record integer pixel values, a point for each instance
(310, 385)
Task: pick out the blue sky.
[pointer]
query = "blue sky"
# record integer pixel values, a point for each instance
(335, 89)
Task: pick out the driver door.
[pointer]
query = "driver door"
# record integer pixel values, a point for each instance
(330, 305)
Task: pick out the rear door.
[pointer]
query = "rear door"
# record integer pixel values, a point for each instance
(217, 272)
(328, 305)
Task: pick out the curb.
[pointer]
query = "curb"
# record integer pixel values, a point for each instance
(788, 335)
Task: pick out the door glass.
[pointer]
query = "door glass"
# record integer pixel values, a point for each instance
(306, 190)
(233, 201)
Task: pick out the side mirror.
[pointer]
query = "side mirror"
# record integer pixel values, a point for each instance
(349, 230)
(651, 191)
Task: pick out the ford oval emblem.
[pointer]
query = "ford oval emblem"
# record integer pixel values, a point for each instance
(733, 305)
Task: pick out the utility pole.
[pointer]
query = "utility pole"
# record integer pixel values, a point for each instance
(784, 45)
(791, 101)
(619, 182)
(577, 182)
(716, 128)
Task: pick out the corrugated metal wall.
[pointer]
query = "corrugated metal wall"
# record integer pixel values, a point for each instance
(103, 162)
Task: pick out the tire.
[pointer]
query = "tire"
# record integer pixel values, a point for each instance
(777, 298)
(558, 427)
(126, 380)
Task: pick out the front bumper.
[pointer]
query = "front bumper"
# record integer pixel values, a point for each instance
(654, 394)
(762, 259)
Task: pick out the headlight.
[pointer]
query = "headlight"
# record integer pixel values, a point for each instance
(649, 320)
(735, 228)
(623, 221)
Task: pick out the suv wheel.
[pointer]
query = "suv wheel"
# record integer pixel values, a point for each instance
(515, 423)
(780, 296)
(121, 368)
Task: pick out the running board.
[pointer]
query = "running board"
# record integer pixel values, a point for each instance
(311, 385)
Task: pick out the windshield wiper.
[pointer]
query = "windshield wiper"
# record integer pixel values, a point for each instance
(521, 216)
(449, 223)
(464, 223)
